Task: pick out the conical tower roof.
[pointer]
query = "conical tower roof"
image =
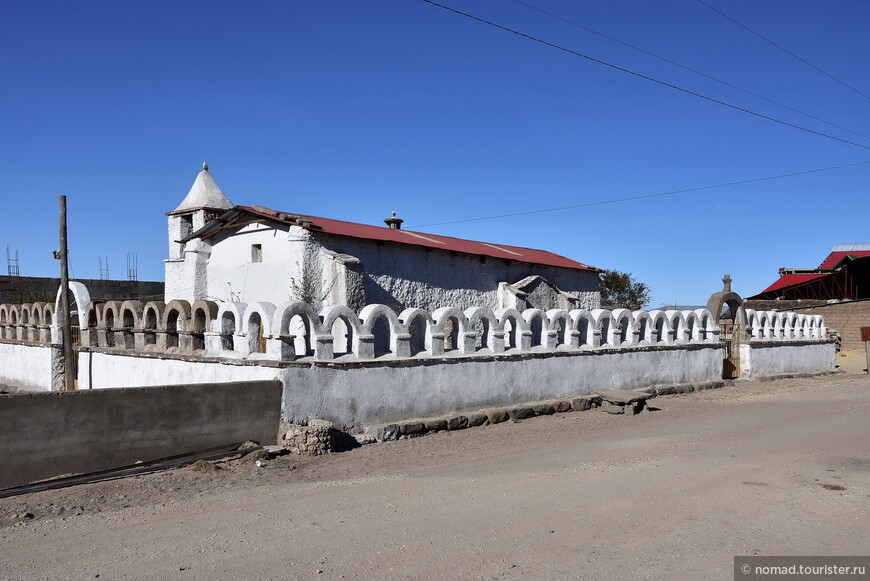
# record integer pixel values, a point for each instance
(204, 193)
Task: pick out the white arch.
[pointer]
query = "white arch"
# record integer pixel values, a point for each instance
(519, 328)
(494, 339)
(582, 329)
(398, 334)
(661, 326)
(408, 317)
(622, 331)
(821, 328)
(558, 328)
(694, 331)
(792, 330)
(465, 338)
(800, 329)
(302, 343)
(752, 328)
(709, 326)
(328, 316)
(676, 327)
(604, 323)
(644, 328)
(812, 329)
(532, 315)
(265, 312)
(82, 299)
(237, 311)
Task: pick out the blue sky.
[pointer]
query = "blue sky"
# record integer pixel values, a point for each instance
(351, 109)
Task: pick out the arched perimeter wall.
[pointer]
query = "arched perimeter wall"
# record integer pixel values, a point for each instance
(293, 330)
(526, 356)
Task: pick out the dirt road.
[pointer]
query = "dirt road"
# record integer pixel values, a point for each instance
(774, 468)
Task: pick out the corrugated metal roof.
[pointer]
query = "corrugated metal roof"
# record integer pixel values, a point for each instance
(848, 247)
(835, 257)
(788, 280)
(382, 233)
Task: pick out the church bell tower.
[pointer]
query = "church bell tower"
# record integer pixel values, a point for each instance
(204, 202)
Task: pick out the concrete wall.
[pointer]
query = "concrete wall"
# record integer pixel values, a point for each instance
(49, 434)
(763, 359)
(29, 366)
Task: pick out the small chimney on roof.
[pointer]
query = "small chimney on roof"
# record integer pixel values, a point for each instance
(393, 222)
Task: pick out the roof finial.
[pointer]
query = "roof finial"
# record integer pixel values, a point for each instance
(205, 166)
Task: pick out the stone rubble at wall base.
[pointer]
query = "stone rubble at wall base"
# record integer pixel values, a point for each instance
(421, 427)
(315, 439)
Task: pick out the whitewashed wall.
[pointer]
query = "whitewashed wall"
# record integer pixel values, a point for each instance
(229, 274)
(99, 370)
(221, 269)
(26, 365)
(764, 359)
(357, 396)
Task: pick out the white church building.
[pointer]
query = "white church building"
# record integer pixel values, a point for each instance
(223, 252)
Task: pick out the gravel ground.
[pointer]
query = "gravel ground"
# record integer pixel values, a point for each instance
(767, 468)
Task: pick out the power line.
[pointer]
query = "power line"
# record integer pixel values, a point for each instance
(646, 196)
(783, 49)
(686, 68)
(645, 77)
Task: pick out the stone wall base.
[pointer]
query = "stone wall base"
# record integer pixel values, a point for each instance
(315, 439)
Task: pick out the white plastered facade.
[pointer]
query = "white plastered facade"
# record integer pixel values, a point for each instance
(272, 262)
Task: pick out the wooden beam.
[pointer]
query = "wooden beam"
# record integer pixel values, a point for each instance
(231, 224)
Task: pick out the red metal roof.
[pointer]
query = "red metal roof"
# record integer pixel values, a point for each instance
(382, 233)
(834, 258)
(788, 280)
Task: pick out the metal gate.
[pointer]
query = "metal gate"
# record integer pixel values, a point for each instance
(731, 360)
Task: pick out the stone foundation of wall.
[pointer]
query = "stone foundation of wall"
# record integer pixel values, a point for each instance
(315, 439)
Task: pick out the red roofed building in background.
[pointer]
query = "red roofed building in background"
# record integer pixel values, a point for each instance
(224, 252)
(844, 274)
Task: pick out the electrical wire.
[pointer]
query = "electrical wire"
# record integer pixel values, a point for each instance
(644, 196)
(783, 49)
(645, 77)
(686, 68)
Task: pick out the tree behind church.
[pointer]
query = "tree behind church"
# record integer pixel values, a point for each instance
(620, 290)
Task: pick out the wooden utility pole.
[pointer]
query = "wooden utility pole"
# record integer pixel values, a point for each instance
(64, 319)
